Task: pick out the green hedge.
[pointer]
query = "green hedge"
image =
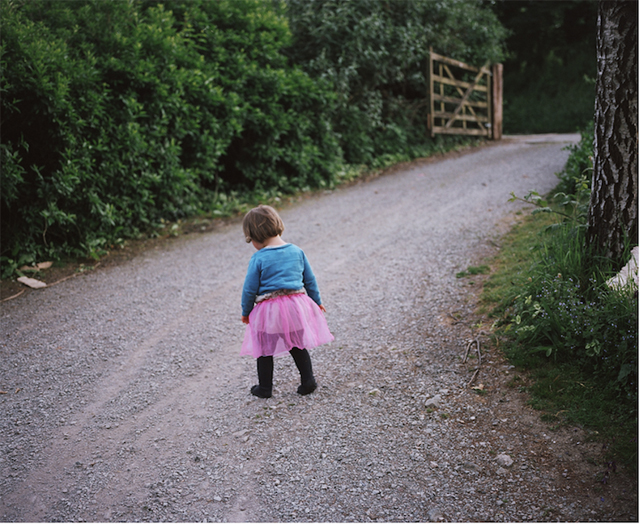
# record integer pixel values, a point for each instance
(117, 115)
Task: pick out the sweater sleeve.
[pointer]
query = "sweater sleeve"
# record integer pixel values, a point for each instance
(309, 281)
(251, 286)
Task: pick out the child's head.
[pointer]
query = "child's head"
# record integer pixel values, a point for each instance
(262, 222)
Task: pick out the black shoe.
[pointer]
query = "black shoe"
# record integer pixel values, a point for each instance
(261, 392)
(303, 363)
(265, 378)
(307, 388)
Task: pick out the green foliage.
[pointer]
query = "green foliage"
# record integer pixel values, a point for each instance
(375, 55)
(577, 338)
(576, 176)
(566, 309)
(119, 115)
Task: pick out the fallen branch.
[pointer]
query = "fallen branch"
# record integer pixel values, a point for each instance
(475, 341)
(456, 319)
(474, 377)
(63, 279)
(466, 354)
(13, 296)
(71, 276)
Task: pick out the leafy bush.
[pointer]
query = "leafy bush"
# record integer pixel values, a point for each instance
(120, 116)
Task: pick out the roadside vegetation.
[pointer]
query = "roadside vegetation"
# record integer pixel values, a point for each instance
(121, 117)
(576, 338)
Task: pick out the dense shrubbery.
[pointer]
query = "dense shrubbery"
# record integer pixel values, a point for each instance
(116, 116)
(120, 115)
(566, 310)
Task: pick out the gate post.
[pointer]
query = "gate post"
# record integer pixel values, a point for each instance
(496, 102)
(430, 121)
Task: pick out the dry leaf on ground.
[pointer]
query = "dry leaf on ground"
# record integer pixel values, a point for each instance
(32, 282)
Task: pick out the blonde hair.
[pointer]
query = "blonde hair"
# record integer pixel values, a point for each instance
(262, 222)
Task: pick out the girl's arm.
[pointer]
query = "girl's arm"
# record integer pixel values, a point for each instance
(310, 284)
(250, 288)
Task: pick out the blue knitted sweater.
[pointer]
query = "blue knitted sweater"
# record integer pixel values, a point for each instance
(274, 268)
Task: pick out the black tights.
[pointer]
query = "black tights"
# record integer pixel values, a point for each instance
(265, 374)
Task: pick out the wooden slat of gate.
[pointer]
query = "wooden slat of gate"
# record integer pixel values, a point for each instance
(455, 63)
(460, 131)
(467, 94)
(470, 103)
(468, 118)
(458, 83)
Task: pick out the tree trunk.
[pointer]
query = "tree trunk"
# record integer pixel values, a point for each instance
(613, 210)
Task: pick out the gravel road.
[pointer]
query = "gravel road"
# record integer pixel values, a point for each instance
(124, 397)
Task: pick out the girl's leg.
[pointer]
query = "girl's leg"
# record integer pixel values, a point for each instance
(303, 363)
(265, 378)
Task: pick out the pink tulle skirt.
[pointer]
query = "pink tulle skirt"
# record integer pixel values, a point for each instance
(281, 323)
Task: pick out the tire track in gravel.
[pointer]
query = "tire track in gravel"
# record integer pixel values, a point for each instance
(132, 403)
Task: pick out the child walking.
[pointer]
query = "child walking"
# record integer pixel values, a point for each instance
(281, 318)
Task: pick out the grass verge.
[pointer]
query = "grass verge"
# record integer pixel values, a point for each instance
(567, 383)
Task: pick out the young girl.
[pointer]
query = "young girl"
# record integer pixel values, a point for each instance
(280, 317)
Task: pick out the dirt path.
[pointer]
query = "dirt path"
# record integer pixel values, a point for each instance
(124, 398)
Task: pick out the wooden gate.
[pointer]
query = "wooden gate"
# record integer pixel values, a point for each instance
(464, 100)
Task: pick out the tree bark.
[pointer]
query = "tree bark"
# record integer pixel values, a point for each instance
(613, 210)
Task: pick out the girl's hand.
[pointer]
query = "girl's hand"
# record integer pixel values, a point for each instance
(245, 320)
(322, 308)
